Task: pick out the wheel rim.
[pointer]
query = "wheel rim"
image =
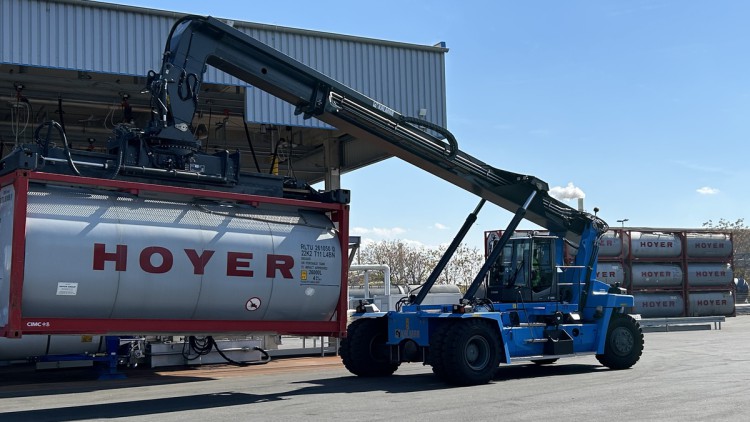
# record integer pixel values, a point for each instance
(622, 341)
(477, 353)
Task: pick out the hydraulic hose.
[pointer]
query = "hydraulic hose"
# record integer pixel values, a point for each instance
(53, 124)
(250, 143)
(202, 347)
(452, 142)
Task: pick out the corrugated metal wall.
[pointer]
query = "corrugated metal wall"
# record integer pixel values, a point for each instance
(108, 38)
(405, 79)
(81, 37)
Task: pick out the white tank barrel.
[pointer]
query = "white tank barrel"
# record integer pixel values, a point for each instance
(709, 274)
(611, 245)
(711, 303)
(708, 245)
(655, 245)
(358, 292)
(656, 275)
(34, 346)
(436, 288)
(659, 305)
(610, 273)
(109, 255)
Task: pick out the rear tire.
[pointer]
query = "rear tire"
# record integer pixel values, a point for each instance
(466, 352)
(364, 350)
(624, 343)
(437, 340)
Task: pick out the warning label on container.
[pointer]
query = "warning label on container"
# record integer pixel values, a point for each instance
(67, 289)
(6, 196)
(315, 261)
(253, 304)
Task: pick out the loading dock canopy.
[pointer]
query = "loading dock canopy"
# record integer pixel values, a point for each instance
(94, 69)
(92, 103)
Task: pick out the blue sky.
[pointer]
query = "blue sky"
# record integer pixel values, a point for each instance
(642, 105)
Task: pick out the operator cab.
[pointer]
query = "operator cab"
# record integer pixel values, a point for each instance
(525, 271)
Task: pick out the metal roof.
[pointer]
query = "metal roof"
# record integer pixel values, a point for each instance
(90, 53)
(109, 38)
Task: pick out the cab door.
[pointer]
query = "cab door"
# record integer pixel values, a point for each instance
(543, 279)
(509, 276)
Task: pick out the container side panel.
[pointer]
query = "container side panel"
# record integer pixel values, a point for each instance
(102, 255)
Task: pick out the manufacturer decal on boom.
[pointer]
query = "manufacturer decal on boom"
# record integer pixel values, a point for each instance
(385, 109)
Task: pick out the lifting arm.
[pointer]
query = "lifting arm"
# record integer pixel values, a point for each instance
(432, 279)
(196, 41)
(471, 291)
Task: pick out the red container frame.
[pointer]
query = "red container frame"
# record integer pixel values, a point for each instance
(18, 325)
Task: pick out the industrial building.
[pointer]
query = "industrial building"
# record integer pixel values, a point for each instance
(85, 64)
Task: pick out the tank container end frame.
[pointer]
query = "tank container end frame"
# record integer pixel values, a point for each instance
(18, 325)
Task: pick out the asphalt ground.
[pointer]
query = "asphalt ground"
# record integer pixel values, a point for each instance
(682, 376)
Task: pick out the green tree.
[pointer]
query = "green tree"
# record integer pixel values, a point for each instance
(411, 264)
(463, 266)
(740, 242)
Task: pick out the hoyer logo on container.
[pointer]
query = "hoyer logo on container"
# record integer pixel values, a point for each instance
(159, 260)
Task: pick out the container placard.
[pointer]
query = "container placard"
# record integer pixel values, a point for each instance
(67, 289)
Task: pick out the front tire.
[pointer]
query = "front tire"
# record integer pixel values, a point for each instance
(364, 350)
(624, 343)
(468, 353)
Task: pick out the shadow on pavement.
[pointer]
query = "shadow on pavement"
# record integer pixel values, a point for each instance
(396, 384)
(28, 382)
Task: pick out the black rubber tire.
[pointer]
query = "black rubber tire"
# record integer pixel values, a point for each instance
(541, 362)
(437, 340)
(467, 352)
(624, 343)
(364, 350)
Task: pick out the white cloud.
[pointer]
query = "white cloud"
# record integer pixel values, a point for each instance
(368, 241)
(568, 192)
(384, 232)
(359, 231)
(388, 231)
(414, 243)
(707, 191)
(440, 226)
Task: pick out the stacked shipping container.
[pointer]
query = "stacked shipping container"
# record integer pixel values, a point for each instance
(671, 272)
